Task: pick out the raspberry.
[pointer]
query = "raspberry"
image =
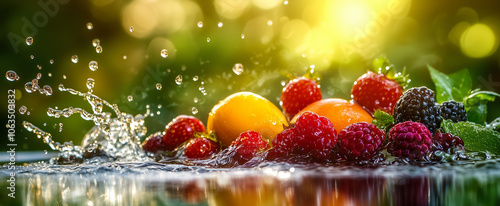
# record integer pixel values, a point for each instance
(444, 141)
(311, 138)
(360, 141)
(247, 146)
(154, 143)
(418, 105)
(453, 111)
(409, 139)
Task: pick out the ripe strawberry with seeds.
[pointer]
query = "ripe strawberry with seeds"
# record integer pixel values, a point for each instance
(299, 93)
(201, 148)
(379, 90)
(180, 130)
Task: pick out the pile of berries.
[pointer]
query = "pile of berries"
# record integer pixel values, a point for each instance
(310, 133)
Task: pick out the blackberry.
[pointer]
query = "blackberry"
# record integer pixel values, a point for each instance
(418, 104)
(453, 111)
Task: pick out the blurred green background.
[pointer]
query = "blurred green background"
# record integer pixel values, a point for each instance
(205, 39)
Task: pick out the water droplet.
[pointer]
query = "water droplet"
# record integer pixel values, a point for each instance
(158, 86)
(269, 22)
(32, 57)
(220, 24)
(90, 83)
(44, 124)
(195, 78)
(22, 109)
(93, 65)
(124, 57)
(164, 53)
(96, 42)
(130, 98)
(29, 41)
(90, 26)
(64, 76)
(39, 76)
(158, 112)
(131, 29)
(48, 90)
(60, 128)
(98, 49)
(238, 68)
(208, 39)
(304, 54)
(49, 74)
(28, 113)
(242, 36)
(74, 59)
(178, 79)
(200, 24)
(39, 67)
(159, 106)
(147, 106)
(194, 110)
(45, 151)
(51, 61)
(11, 75)
(195, 100)
(28, 87)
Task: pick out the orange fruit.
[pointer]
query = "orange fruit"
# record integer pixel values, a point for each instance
(245, 111)
(340, 112)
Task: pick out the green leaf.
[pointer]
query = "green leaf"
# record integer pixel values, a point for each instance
(462, 83)
(380, 63)
(382, 119)
(495, 124)
(476, 137)
(475, 105)
(443, 84)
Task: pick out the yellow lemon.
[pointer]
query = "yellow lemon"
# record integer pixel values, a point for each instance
(245, 111)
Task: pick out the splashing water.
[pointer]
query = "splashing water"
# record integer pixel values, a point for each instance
(117, 137)
(200, 24)
(96, 42)
(74, 59)
(22, 109)
(29, 41)
(11, 75)
(93, 65)
(98, 49)
(164, 53)
(158, 86)
(178, 79)
(238, 68)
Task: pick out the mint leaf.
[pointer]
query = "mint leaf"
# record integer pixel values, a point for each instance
(455, 86)
(444, 85)
(476, 137)
(475, 105)
(462, 83)
(382, 119)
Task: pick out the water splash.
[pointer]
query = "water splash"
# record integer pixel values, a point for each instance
(117, 137)
(96, 42)
(164, 53)
(98, 49)
(93, 65)
(11, 75)
(178, 79)
(238, 68)
(29, 41)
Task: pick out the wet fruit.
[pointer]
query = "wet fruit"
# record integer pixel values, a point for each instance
(181, 129)
(444, 141)
(453, 111)
(299, 93)
(312, 138)
(247, 146)
(418, 104)
(376, 91)
(340, 112)
(244, 111)
(201, 148)
(409, 139)
(360, 141)
(154, 143)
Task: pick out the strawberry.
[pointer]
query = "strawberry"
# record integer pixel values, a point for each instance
(180, 130)
(297, 94)
(379, 91)
(247, 145)
(201, 148)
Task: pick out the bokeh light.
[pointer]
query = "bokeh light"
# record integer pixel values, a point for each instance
(478, 41)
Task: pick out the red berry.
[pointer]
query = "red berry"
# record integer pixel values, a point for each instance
(444, 141)
(311, 138)
(360, 141)
(201, 148)
(247, 145)
(180, 130)
(409, 139)
(154, 143)
(297, 94)
(375, 91)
